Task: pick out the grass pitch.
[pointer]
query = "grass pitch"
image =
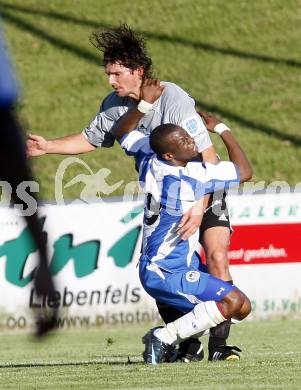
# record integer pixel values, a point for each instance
(111, 359)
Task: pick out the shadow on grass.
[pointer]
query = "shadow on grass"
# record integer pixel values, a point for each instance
(160, 37)
(96, 59)
(113, 360)
(58, 42)
(258, 127)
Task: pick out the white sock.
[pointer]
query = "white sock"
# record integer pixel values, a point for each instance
(205, 315)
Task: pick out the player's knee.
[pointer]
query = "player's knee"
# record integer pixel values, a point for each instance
(242, 308)
(233, 303)
(245, 309)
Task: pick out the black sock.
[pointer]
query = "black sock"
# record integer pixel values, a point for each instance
(168, 313)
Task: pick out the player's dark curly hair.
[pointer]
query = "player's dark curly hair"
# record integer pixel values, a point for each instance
(121, 45)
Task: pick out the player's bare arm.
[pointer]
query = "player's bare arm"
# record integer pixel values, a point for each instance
(70, 144)
(235, 152)
(192, 219)
(150, 91)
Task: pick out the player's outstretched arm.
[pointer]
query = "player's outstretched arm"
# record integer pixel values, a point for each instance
(71, 144)
(237, 156)
(235, 151)
(151, 90)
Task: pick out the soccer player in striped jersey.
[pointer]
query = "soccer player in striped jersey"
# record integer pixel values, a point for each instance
(173, 179)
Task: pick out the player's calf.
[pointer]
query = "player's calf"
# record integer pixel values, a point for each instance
(190, 350)
(238, 306)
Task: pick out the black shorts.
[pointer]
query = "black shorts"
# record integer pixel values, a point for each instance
(216, 214)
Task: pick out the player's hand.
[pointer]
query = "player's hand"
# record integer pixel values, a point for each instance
(191, 221)
(151, 90)
(210, 120)
(36, 145)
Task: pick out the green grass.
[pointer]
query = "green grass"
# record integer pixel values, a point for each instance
(98, 359)
(236, 58)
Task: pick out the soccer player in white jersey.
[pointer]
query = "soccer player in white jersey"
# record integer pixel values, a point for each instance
(173, 178)
(127, 64)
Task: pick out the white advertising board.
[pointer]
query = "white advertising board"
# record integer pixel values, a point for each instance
(94, 249)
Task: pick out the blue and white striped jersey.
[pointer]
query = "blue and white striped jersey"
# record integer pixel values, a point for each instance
(170, 191)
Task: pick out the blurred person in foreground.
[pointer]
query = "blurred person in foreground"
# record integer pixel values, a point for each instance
(14, 170)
